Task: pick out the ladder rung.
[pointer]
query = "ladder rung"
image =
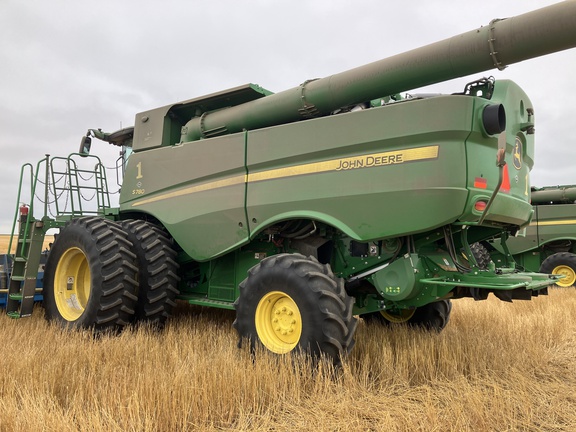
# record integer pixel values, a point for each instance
(20, 259)
(37, 290)
(13, 314)
(17, 278)
(15, 296)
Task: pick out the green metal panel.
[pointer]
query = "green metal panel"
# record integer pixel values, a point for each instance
(529, 260)
(369, 173)
(556, 222)
(551, 223)
(398, 281)
(163, 126)
(196, 190)
(222, 285)
(218, 279)
(510, 204)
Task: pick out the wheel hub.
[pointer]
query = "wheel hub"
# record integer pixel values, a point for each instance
(283, 322)
(72, 284)
(569, 276)
(278, 322)
(398, 316)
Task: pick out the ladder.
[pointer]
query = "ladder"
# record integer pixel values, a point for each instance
(26, 262)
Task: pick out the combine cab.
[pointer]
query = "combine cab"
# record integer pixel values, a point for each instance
(305, 209)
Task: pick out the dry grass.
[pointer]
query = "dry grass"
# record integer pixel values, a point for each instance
(5, 240)
(496, 367)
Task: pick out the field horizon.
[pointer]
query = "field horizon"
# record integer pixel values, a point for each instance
(5, 240)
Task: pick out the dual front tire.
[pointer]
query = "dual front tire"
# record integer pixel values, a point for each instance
(101, 275)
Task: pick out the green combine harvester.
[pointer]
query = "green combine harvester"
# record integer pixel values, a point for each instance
(548, 243)
(305, 209)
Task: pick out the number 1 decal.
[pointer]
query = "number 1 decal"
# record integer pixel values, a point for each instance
(139, 166)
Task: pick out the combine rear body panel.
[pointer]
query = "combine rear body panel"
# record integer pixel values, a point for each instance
(303, 209)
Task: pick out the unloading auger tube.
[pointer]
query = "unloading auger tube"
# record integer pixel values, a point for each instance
(554, 194)
(497, 45)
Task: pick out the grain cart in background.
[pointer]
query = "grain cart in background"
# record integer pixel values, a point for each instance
(304, 209)
(548, 243)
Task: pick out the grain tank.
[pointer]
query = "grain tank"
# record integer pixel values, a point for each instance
(305, 209)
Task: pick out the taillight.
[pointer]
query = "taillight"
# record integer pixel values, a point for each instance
(480, 206)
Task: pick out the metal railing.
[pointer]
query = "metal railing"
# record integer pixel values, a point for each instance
(73, 186)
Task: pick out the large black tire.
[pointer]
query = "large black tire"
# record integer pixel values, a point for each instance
(90, 276)
(157, 271)
(481, 254)
(290, 303)
(432, 316)
(563, 263)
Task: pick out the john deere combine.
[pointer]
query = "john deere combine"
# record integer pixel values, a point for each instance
(304, 209)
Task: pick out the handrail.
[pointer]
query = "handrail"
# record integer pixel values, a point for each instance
(74, 184)
(18, 202)
(33, 184)
(73, 174)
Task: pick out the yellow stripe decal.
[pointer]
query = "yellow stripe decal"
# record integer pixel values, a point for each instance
(344, 164)
(192, 189)
(365, 161)
(554, 222)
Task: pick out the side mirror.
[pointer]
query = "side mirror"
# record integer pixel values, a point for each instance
(85, 145)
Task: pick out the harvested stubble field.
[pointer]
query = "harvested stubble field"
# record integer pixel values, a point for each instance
(496, 367)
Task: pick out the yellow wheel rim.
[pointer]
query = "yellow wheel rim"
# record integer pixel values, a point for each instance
(72, 284)
(278, 322)
(398, 316)
(569, 275)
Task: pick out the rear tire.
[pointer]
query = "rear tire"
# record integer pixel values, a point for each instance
(290, 303)
(90, 276)
(432, 316)
(481, 254)
(157, 272)
(563, 263)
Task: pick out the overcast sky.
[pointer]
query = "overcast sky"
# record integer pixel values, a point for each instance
(67, 66)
